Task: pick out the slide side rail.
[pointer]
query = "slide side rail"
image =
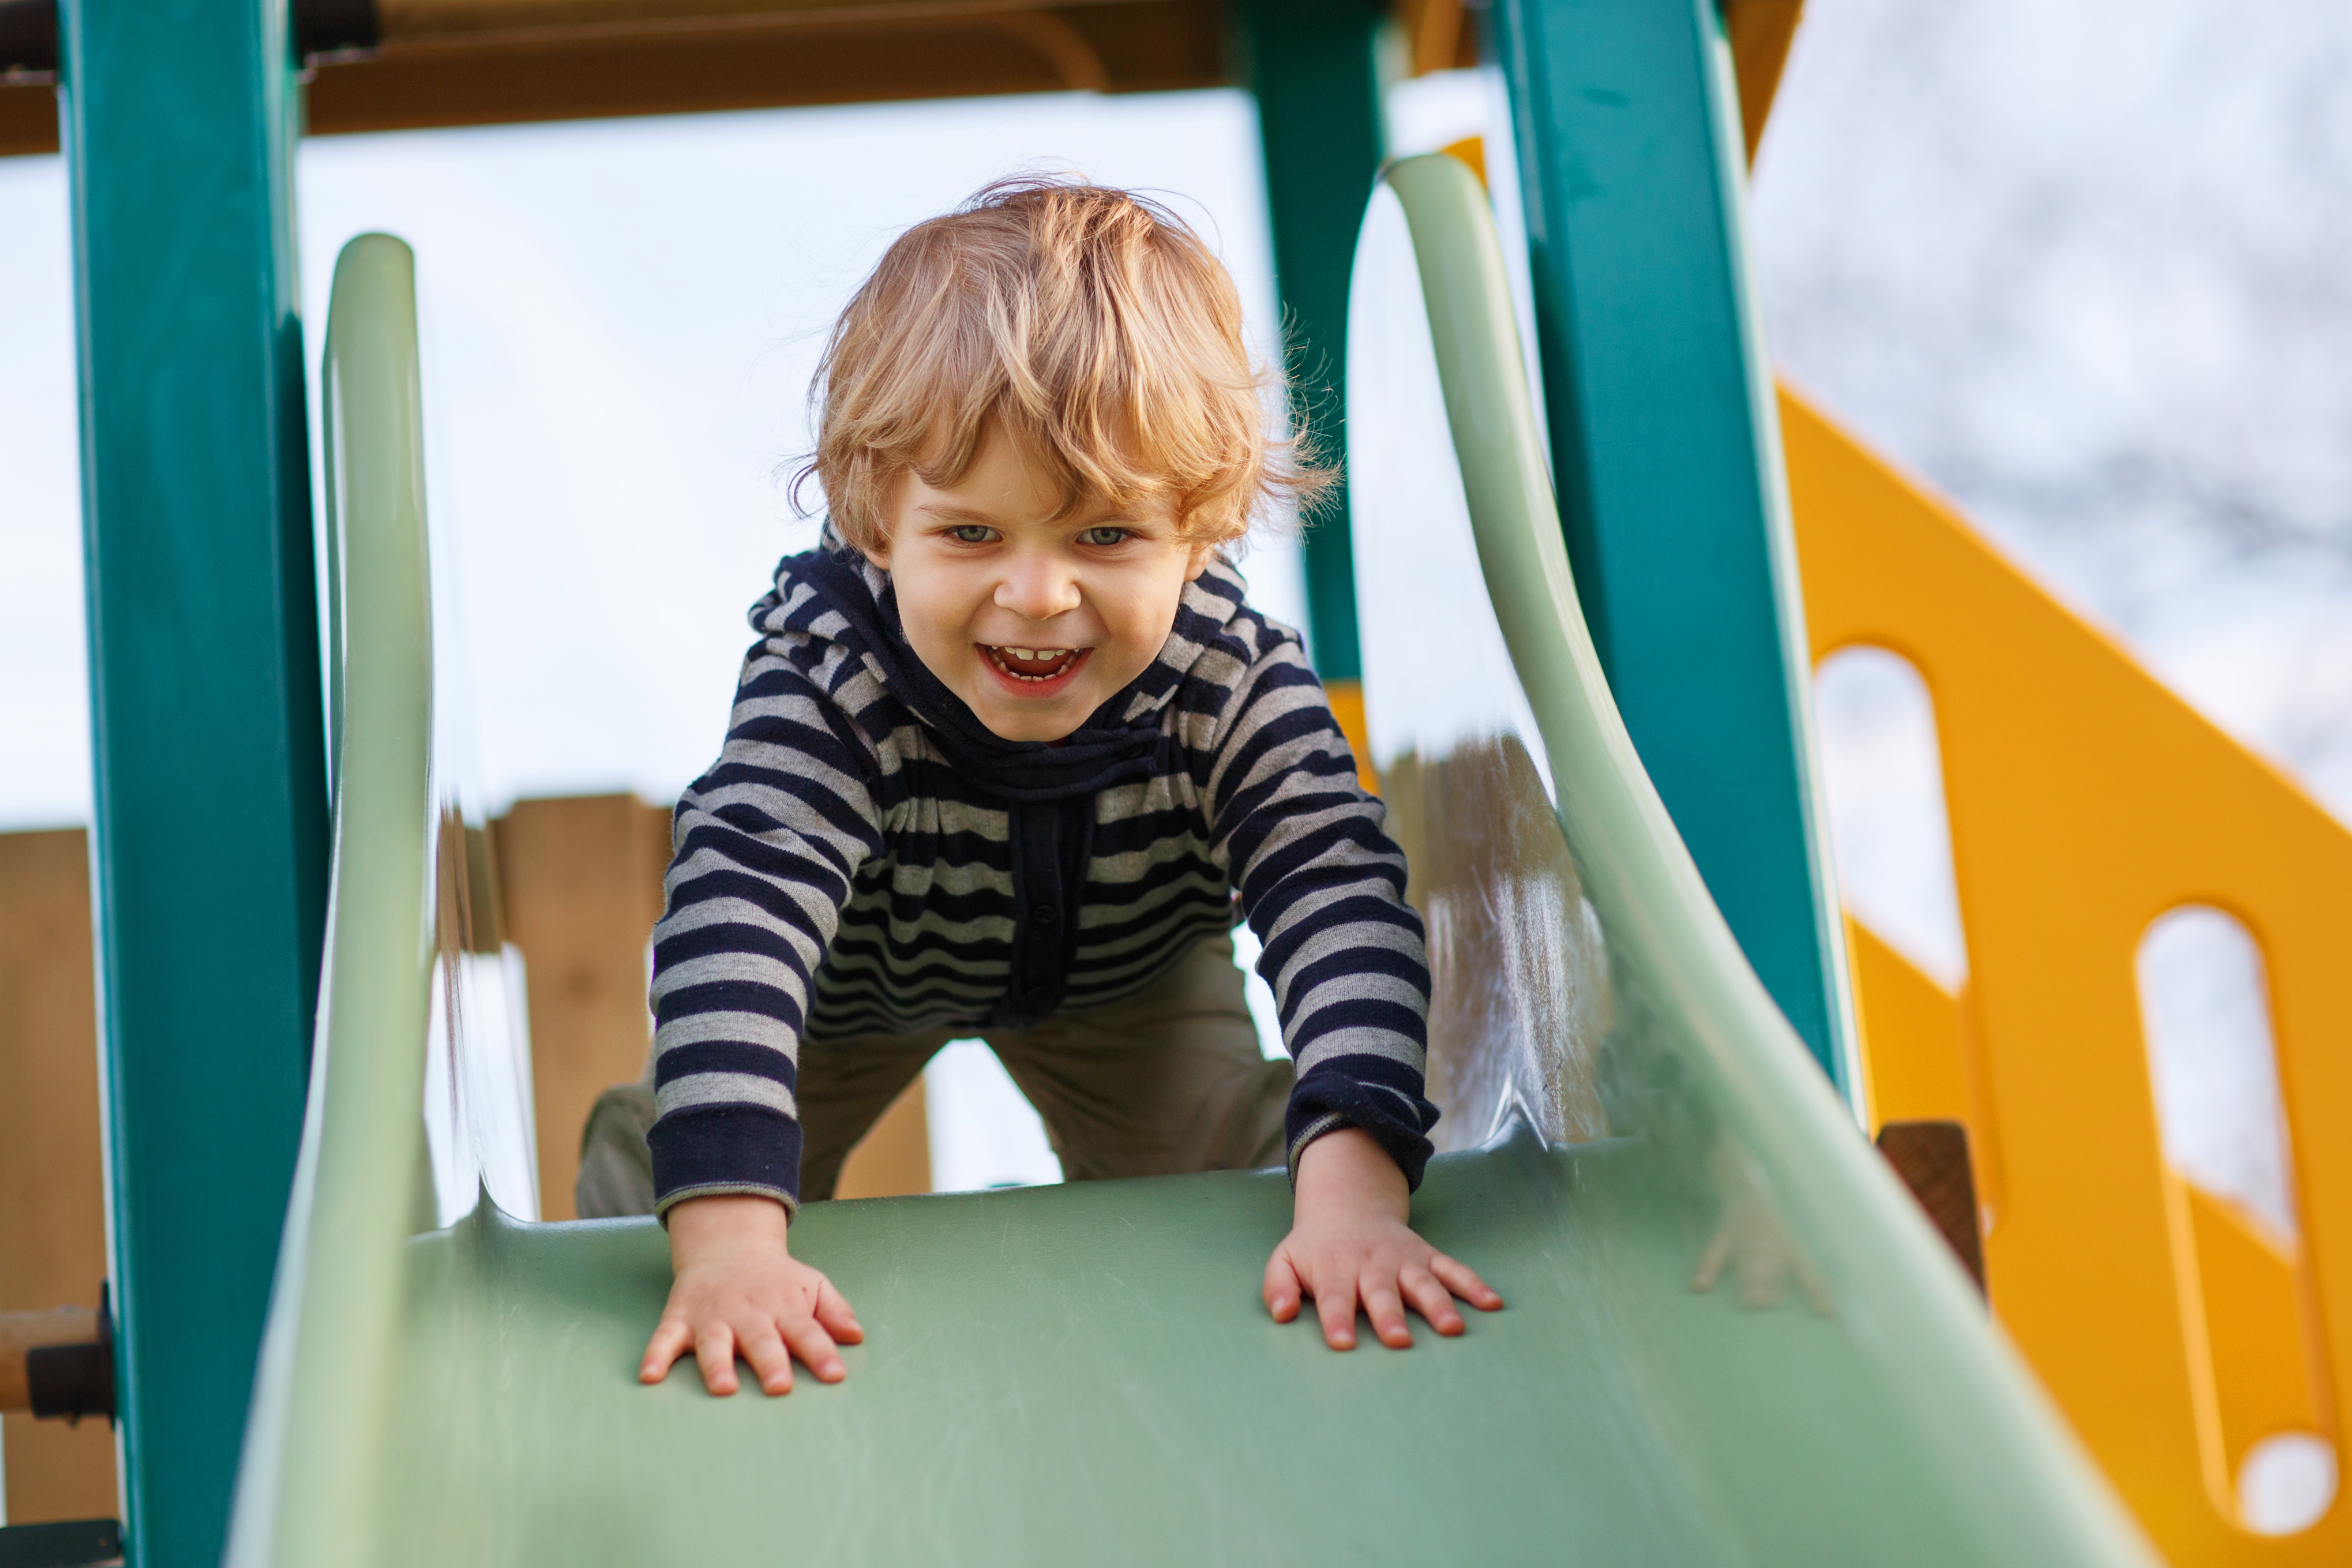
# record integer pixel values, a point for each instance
(1999, 1450)
(307, 1492)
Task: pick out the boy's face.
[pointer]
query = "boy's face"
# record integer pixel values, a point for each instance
(1033, 623)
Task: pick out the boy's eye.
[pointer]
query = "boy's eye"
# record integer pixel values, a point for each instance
(1103, 536)
(970, 534)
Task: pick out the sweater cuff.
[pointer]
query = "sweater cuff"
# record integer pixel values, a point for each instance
(725, 1149)
(1330, 1122)
(1396, 1115)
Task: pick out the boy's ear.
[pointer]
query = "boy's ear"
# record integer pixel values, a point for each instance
(1199, 562)
(878, 552)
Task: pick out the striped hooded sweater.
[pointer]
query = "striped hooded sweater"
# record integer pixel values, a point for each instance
(866, 856)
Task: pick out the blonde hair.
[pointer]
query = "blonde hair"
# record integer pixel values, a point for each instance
(1091, 326)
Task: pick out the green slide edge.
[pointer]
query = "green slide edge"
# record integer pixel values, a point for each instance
(308, 1481)
(2002, 1440)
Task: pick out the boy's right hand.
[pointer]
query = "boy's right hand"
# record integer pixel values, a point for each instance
(737, 1291)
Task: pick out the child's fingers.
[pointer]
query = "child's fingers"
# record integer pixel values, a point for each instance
(1711, 1262)
(1336, 1307)
(1430, 1299)
(714, 1352)
(670, 1340)
(1464, 1281)
(834, 1313)
(1761, 1269)
(771, 1363)
(1387, 1312)
(1282, 1288)
(814, 1347)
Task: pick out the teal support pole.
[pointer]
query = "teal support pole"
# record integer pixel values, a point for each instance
(1313, 66)
(1666, 454)
(211, 827)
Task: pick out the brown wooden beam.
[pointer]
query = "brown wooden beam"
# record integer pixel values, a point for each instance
(52, 1186)
(1760, 32)
(1932, 1158)
(29, 118)
(579, 881)
(894, 1158)
(1438, 35)
(772, 62)
(409, 21)
(433, 70)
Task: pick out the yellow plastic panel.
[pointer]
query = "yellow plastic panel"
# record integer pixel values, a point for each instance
(2259, 1371)
(2086, 801)
(1914, 1053)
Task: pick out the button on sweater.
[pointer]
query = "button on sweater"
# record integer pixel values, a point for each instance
(866, 856)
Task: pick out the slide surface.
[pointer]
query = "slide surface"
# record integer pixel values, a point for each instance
(1084, 1373)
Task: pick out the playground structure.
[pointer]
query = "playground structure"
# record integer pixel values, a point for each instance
(1073, 1370)
(2084, 802)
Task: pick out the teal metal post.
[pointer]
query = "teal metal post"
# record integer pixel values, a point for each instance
(210, 840)
(1313, 66)
(1666, 453)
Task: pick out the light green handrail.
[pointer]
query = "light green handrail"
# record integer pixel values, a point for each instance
(307, 1487)
(2001, 1443)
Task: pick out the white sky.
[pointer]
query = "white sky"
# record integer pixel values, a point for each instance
(44, 697)
(620, 319)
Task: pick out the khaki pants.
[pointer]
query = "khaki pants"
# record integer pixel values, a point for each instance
(1167, 1080)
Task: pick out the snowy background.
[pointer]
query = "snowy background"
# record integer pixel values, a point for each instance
(2079, 265)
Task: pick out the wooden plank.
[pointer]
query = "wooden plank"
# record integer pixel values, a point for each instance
(894, 1158)
(1932, 1158)
(428, 75)
(1760, 32)
(1438, 37)
(1147, 46)
(52, 1183)
(29, 118)
(580, 883)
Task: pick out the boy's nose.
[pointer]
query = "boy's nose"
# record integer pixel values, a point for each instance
(1037, 591)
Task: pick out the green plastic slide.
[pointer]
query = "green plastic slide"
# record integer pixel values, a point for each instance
(1083, 1374)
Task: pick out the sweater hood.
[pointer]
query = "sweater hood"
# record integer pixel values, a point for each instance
(834, 594)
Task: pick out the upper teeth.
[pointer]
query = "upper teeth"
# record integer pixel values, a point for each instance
(1036, 653)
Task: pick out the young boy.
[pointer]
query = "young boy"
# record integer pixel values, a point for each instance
(1011, 749)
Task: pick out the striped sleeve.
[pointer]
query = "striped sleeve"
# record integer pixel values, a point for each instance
(764, 846)
(1323, 885)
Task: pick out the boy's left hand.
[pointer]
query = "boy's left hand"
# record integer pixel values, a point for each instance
(1349, 1243)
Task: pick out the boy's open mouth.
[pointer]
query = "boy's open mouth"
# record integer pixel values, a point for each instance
(1035, 665)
